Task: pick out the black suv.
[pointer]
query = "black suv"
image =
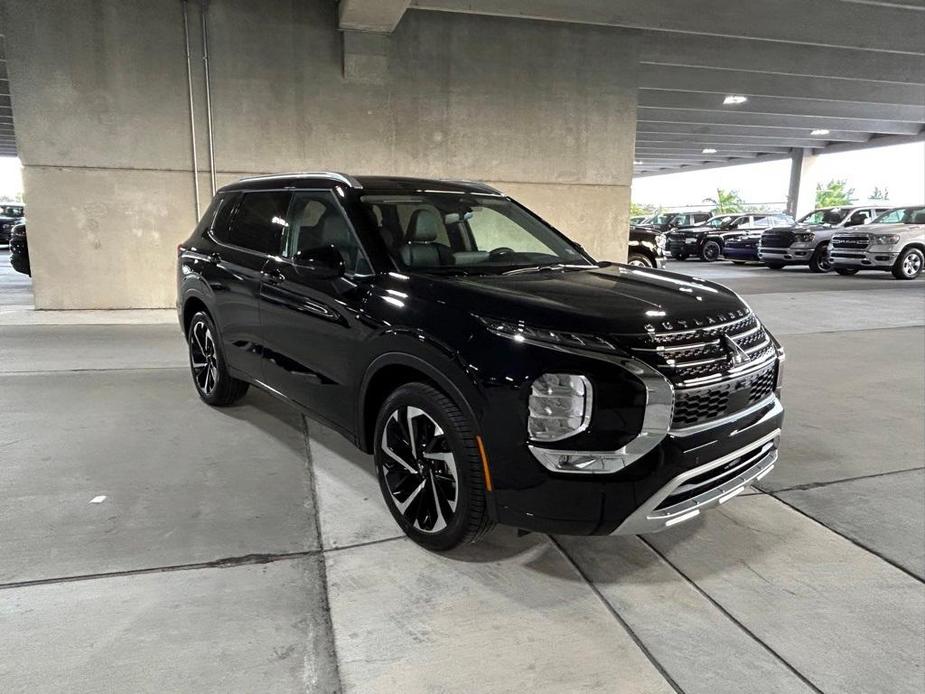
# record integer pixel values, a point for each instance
(708, 241)
(9, 217)
(495, 371)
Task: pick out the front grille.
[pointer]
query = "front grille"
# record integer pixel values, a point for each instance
(712, 352)
(742, 243)
(777, 239)
(850, 242)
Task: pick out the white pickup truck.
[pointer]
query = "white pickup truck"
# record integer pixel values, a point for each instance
(893, 242)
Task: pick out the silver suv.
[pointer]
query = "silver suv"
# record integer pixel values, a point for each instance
(893, 242)
(807, 243)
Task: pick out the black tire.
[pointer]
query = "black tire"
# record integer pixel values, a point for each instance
(909, 264)
(820, 262)
(406, 475)
(207, 364)
(847, 271)
(775, 266)
(639, 260)
(711, 251)
(738, 262)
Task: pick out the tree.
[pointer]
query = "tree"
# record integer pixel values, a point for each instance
(834, 193)
(880, 193)
(726, 201)
(637, 210)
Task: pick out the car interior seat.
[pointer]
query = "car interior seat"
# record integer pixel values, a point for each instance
(422, 249)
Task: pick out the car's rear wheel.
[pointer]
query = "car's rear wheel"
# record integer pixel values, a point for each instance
(711, 251)
(639, 260)
(820, 262)
(909, 264)
(846, 271)
(430, 469)
(207, 362)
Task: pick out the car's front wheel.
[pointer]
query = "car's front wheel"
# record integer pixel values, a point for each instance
(207, 362)
(909, 264)
(639, 260)
(429, 466)
(820, 262)
(711, 251)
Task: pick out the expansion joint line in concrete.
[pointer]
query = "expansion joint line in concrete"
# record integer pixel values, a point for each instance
(732, 619)
(849, 539)
(817, 485)
(616, 615)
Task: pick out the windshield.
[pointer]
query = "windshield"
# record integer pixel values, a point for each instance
(661, 218)
(902, 215)
(719, 222)
(453, 232)
(832, 216)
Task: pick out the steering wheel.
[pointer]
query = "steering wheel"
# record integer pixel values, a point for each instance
(497, 253)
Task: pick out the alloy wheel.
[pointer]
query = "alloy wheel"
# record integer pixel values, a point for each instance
(912, 264)
(203, 357)
(419, 470)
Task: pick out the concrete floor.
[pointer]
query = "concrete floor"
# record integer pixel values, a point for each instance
(249, 550)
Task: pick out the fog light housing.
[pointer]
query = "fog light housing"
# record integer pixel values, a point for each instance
(588, 462)
(559, 407)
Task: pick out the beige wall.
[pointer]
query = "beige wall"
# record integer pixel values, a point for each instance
(545, 111)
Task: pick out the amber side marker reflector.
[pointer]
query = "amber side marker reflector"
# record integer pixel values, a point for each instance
(478, 440)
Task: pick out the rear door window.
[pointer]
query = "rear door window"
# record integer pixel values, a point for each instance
(259, 222)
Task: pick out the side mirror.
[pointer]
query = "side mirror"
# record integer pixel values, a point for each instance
(323, 262)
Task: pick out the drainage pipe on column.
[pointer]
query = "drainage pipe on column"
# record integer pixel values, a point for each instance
(192, 114)
(204, 9)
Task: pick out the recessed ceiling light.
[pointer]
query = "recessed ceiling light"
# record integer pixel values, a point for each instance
(709, 150)
(820, 131)
(735, 99)
(636, 162)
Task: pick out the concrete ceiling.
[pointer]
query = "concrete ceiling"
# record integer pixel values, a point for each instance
(7, 137)
(853, 67)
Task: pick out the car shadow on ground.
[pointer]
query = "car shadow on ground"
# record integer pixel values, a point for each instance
(279, 420)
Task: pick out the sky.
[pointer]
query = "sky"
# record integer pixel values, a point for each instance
(898, 168)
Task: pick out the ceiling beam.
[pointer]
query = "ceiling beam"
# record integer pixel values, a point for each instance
(679, 50)
(783, 106)
(712, 80)
(380, 16)
(821, 22)
(741, 133)
(727, 150)
(765, 122)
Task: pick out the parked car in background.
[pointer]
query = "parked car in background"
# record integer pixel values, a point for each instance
(495, 372)
(637, 219)
(893, 242)
(9, 215)
(646, 248)
(807, 243)
(663, 221)
(707, 241)
(19, 249)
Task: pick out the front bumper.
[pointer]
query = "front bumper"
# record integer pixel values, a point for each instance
(794, 255)
(870, 259)
(745, 253)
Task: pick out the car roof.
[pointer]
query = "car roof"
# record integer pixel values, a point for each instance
(379, 184)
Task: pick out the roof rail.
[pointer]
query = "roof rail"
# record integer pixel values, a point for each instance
(334, 175)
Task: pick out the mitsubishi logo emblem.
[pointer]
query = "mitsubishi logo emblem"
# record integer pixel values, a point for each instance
(737, 355)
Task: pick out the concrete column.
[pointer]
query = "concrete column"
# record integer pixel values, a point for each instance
(544, 111)
(801, 193)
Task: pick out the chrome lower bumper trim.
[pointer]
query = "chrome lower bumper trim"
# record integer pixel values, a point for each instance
(776, 408)
(648, 518)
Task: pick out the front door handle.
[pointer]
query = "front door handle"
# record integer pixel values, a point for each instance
(273, 276)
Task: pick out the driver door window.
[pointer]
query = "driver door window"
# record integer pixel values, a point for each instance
(315, 220)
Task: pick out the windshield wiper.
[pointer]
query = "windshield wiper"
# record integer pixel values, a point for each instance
(542, 268)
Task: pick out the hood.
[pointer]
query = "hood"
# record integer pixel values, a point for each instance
(880, 229)
(615, 299)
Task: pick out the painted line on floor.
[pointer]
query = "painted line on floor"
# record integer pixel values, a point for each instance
(616, 615)
(732, 618)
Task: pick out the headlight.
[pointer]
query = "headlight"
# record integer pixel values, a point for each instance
(661, 241)
(518, 332)
(804, 236)
(560, 406)
(885, 239)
